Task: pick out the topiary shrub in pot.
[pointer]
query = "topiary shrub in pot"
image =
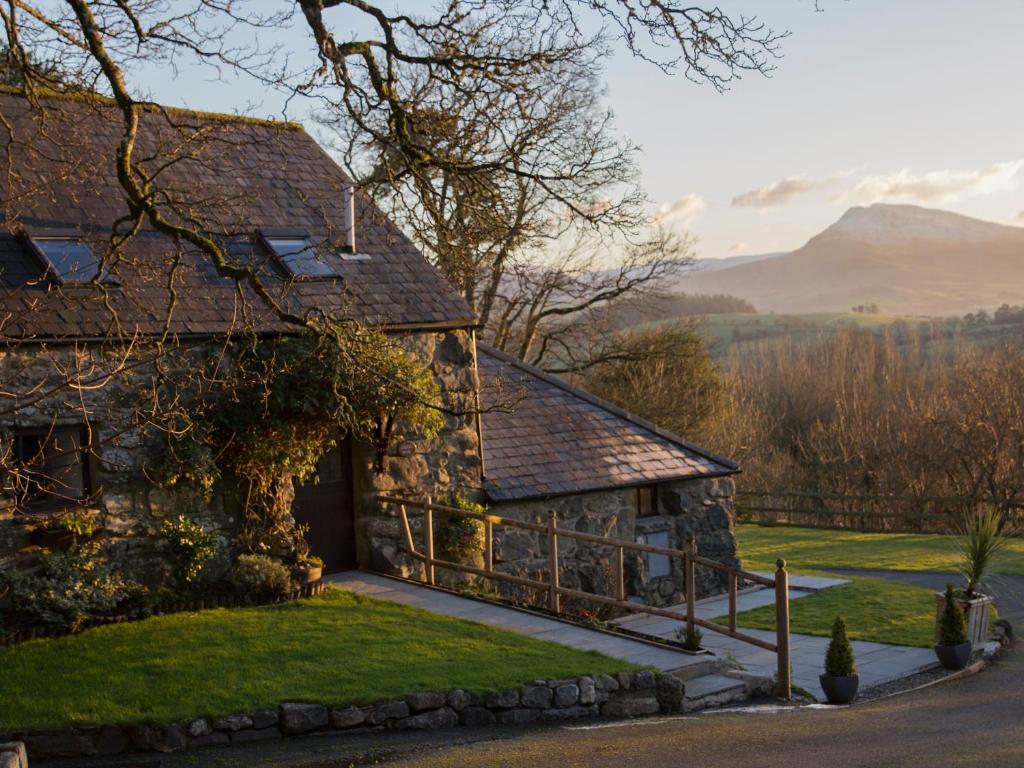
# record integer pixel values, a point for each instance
(954, 647)
(840, 681)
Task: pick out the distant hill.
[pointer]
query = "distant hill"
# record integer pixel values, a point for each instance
(905, 259)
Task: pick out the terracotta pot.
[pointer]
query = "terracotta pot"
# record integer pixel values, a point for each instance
(307, 575)
(839, 690)
(953, 656)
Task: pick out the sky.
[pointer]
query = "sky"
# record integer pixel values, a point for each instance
(902, 101)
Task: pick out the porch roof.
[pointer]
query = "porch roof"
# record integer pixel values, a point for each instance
(544, 437)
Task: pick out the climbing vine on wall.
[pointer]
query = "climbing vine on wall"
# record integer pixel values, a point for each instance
(259, 422)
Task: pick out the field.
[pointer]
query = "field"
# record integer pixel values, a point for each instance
(816, 549)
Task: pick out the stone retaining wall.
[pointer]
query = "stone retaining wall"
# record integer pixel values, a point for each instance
(627, 694)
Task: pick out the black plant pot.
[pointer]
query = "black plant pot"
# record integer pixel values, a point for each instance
(840, 690)
(954, 656)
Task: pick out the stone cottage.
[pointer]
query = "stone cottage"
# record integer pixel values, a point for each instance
(73, 326)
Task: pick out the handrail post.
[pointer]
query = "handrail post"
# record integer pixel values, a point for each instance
(620, 574)
(428, 532)
(553, 601)
(488, 546)
(691, 582)
(732, 601)
(785, 685)
(406, 530)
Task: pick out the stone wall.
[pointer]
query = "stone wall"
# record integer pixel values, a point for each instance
(703, 508)
(448, 464)
(131, 508)
(626, 694)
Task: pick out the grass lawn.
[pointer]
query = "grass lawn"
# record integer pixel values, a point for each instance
(811, 548)
(874, 609)
(335, 648)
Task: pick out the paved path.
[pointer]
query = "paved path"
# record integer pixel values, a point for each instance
(525, 623)
(876, 662)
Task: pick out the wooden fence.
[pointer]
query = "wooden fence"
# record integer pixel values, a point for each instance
(555, 591)
(881, 514)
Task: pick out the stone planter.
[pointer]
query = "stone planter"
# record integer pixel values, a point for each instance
(976, 612)
(839, 690)
(953, 656)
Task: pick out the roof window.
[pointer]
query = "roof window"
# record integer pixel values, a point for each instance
(298, 256)
(68, 259)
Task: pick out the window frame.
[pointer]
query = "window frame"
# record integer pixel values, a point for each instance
(649, 509)
(266, 238)
(41, 499)
(51, 272)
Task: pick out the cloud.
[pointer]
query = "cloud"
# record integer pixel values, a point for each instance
(937, 186)
(782, 191)
(1020, 216)
(683, 209)
(738, 248)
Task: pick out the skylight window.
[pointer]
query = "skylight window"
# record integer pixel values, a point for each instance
(68, 258)
(299, 257)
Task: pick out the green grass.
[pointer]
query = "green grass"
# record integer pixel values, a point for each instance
(874, 609)
(336, 648)
(811, 548)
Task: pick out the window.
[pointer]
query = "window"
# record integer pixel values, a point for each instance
(646, 501)
(50, 465)
(657, 566)
(68, 258)
(299, 257)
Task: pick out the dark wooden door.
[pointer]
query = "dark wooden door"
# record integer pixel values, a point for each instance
(324, 503)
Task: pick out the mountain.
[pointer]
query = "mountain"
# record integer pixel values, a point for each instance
(714, 265)
(906, 259)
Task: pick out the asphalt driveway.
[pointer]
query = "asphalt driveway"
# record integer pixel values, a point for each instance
(977, 721)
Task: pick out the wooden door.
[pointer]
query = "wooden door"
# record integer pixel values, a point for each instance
(324, 503)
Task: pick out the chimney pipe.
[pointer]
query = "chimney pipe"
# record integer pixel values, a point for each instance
(350, 205)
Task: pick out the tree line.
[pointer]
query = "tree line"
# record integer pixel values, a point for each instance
(855, 412)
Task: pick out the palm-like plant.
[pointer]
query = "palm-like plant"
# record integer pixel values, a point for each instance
(980, 540)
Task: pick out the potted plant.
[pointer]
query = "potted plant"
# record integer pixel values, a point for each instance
(953, 647)
(840, 681)
(61, 530)
(980, 542)
(309, 569)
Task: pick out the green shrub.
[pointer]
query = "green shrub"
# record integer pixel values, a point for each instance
(261, 576)
(461, 537)
(71, 588)
(692, 638)
(189, 548)
(80, 523)
(839, 661)
(953, 625)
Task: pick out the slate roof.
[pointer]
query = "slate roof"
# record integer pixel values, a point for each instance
(544, 437)
(231, 178)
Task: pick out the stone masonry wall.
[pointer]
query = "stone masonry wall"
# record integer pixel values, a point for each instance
(448, 464)
(703, 508)
(131, 508)
(625, 694)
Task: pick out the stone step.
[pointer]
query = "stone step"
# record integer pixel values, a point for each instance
(712, 691)
(709, 665)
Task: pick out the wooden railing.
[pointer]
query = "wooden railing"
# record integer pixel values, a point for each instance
(870, 513)
(554, 591)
